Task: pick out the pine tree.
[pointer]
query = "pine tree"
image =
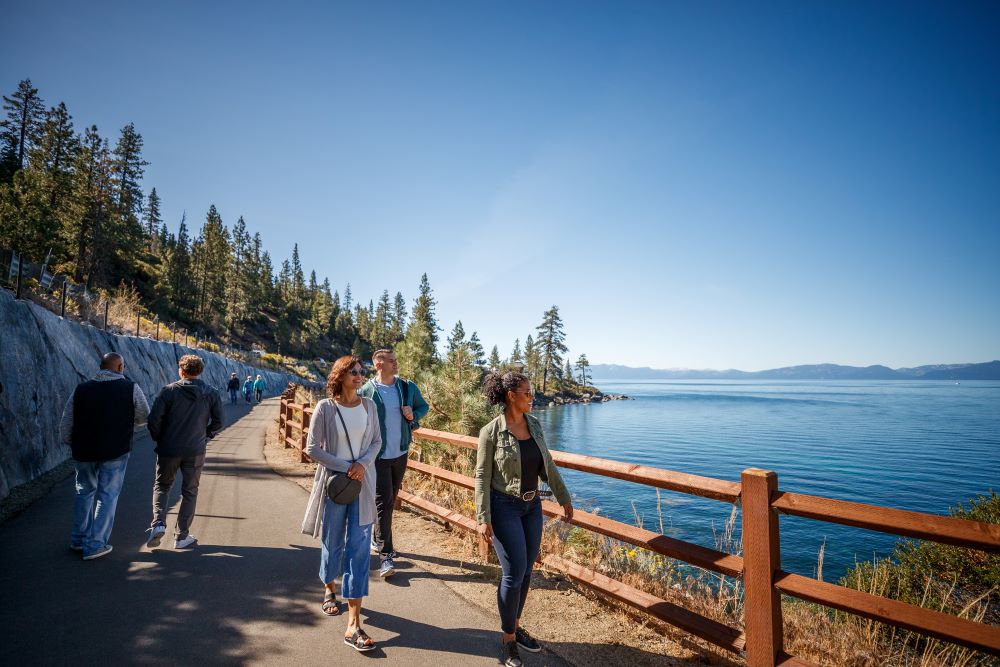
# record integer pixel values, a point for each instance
(212, 256)
(477, 351)
(298, 287)
(239, 286)
(494, 363)
(456, 339)
(566, 377)
(176, 271)
(265, 279)
(413, 353)
(583, 366)
(381, 324)
(516, 358)
(531, 359)
(348, 303)
(423, 311)
(153, 221)
(398, 327)
(550, 344)
(128, 167)
(21, 129)
(93, 192)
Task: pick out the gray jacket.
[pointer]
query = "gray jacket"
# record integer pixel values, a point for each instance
(185, 415)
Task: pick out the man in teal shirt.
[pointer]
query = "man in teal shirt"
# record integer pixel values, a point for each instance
(400, 408)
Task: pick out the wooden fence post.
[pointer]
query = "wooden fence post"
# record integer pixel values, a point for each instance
(761, 559)
(304, 436)
(287, 431)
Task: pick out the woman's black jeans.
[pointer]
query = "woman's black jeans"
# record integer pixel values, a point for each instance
(517, 536)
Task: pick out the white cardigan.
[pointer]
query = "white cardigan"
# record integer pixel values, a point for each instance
(322, 445)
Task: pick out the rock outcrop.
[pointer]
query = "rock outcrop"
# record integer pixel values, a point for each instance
(43, 357)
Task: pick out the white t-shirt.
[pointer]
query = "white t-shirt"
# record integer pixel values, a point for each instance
(356, 420)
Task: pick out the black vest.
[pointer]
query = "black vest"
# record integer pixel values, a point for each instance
(103, 419)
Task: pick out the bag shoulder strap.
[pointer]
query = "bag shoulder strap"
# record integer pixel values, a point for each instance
(406, 391)
(346, 434)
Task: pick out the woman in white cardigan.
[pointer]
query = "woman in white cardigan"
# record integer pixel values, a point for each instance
(344, 436)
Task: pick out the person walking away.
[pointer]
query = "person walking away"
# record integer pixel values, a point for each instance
(258, 388)
(511, 456)
(234, 387)
(400, 409)
(344, 437)
(185, 416)
(248, 389)
(97, 423)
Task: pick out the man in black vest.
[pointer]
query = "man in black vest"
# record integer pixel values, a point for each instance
(185, 415)
(97, 424)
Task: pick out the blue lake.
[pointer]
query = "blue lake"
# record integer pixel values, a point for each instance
(922, 446)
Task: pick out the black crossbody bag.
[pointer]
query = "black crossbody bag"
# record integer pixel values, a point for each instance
(341, 489)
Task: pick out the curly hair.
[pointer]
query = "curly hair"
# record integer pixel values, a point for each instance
(341, 367)
(191, 365)
(497, 384)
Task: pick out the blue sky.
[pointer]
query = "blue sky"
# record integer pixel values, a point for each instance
(702, 185)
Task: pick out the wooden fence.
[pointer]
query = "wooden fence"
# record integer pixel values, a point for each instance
(760, 566)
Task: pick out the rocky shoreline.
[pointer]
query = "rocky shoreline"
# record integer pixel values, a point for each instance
(599, 397)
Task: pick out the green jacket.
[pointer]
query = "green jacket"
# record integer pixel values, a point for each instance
(413, 399)
(498, 464)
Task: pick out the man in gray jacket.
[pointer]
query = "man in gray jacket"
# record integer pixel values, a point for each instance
(185, 415)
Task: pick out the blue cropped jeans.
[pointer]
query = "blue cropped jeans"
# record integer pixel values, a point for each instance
(345, 546)
(98, 484)
(517, 536)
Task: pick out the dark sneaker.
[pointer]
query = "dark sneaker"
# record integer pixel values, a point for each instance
(526, 641)
(103, 551)
(510, 656)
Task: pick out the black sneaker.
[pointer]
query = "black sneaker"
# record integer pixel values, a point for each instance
(510, 655)
(526, 641)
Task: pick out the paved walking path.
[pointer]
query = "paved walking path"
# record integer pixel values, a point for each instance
(249, 594)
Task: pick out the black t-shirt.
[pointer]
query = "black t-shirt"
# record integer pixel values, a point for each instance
(531, 464)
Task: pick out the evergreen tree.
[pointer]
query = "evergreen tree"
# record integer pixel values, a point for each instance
(298, 288)
(414, 352)
(516, 358)
(176, 271)
(380, 334)
(583, 366)
(21, 129)
(423, 311)
(128, 167)
(456, 339)
(55, 156)
(265, 279)
(531, 358)
(153, 221)
(212, 256)
(494, 362)
(550, 344)
(566, 377)
(348, 302)
(93, 192)
(284, 283)
(477, 351)
(243, 274)
(398, 319)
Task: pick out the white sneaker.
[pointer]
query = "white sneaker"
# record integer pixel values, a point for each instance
(188, 542)
(155, 535)
(376, 548)
(387, 569)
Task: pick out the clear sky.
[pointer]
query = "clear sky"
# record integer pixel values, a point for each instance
(695, 184)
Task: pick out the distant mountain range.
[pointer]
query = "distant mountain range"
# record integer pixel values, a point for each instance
(984, 371)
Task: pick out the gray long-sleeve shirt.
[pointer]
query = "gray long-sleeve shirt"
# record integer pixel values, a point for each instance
(103, 375)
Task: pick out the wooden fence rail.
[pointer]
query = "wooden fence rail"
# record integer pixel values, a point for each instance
(764, 581)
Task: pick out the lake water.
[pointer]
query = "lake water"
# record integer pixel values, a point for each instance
(922, 446)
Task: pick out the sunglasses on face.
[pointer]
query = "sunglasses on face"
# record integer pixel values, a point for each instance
(355, 372)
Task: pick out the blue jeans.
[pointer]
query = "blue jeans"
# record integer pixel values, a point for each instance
(232, 396)
(98, 484)
(345, 548)
(517, 535)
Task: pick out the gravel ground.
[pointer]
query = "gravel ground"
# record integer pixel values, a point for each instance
(573, 622)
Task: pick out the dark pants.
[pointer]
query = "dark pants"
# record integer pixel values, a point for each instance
(517, 535)
(258, 393)
(232, 396)
(246, 395)
(166, 472)
(388, 480)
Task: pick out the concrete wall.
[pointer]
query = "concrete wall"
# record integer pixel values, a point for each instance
(43, 357)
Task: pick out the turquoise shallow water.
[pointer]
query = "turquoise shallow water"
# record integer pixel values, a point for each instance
(922, 446)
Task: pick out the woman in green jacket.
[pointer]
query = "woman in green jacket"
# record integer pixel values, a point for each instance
(511, 457)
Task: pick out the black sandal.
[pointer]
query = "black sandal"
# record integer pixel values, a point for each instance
(330, 605)
(360, 641)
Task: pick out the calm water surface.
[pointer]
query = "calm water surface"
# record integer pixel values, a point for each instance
(922, 446)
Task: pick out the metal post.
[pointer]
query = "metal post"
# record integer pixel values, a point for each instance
(173, 332)
(62, 308)
(107, 306)
(137, 316)
(185, 338)
(20, 272)
(761, 559)
(157, 328)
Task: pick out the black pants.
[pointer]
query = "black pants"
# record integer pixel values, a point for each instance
(388, 480)
(166, 472)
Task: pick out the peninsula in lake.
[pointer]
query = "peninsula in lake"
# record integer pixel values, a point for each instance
(989, 370)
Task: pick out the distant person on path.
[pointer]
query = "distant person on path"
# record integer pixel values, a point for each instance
(344, 437)
(400, 409)
(234, 387)
(512, 455)
(97, 423)
(258, 388)
(185, 415)
(248, 389)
